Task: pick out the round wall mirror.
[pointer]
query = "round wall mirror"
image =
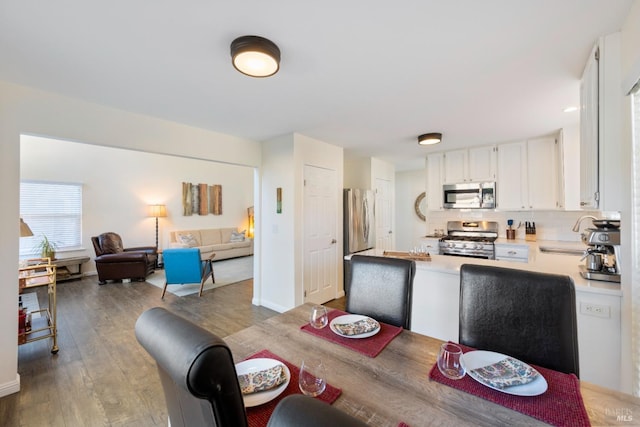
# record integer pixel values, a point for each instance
(421, 206)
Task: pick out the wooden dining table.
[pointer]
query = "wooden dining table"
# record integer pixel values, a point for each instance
(394, 386)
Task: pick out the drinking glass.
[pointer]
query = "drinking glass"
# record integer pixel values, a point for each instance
(449, 361)
(312, 380)
(319, 317)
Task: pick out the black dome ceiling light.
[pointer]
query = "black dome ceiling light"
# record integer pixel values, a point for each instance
(430, 138)
(255, 56)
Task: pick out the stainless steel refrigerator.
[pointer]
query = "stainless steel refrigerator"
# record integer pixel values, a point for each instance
(359, 220)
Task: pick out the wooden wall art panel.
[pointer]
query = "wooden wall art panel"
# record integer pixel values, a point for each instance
(216, 200)
(201, 199)
(187, 206)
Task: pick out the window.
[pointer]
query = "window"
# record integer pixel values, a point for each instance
(54, 210)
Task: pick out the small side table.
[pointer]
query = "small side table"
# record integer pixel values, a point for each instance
(159, 261)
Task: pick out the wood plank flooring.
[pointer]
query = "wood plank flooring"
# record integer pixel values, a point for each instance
(101, 376)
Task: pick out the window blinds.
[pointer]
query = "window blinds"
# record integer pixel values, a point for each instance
(53, 210)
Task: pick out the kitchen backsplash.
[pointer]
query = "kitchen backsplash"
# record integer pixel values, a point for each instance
(550, 225)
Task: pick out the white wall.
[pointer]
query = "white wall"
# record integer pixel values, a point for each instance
(409, 227)
(118, 185)
(278, 228)
(283, 164)
(29, 111)
(357, 172)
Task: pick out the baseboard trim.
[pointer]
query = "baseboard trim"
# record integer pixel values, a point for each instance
(11, 387)
(270, 305)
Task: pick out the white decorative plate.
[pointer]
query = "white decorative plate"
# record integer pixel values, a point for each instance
(351, 318)
(255, 365)
(479, 358)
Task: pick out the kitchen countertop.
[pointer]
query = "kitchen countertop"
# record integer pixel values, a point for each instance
(538, 261)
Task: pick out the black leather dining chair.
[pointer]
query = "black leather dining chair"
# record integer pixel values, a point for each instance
(527, 315)
(381, 288)
(200, 383)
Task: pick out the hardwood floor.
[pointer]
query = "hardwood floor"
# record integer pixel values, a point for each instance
(101, 376)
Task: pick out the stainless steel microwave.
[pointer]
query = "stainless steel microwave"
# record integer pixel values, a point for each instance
(470, 195)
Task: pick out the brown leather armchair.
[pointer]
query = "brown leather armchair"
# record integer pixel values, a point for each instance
(114, 262)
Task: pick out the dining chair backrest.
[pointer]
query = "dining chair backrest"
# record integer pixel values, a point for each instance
(381, 288)
(200, 383)
(196, 370)
(527, 315)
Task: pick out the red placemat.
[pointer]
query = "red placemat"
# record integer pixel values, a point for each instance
(258, 416)
(371, 346)
(560, 405)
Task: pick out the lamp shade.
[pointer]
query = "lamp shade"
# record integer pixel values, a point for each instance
(255, 56)
(25, 231)
(430, 138)
(158, 211)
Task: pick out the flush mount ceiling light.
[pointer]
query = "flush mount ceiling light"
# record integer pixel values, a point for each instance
(430, 138)
(255, 56)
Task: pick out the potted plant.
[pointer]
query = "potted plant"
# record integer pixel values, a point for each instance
(46, 248)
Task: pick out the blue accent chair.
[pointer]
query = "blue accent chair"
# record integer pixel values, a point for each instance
(183, 265)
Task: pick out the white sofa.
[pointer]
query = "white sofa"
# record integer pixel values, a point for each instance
(225, 242)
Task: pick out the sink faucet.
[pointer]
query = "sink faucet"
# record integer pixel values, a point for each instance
(576, 226)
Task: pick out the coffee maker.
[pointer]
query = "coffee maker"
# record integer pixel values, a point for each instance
(602, 255)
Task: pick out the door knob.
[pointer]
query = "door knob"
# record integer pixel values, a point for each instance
(333, 241)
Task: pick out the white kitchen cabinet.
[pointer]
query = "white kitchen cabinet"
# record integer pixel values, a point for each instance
(482, 164)
(529, 175)
(543, 166)
(512, 252)
(589, 195)
(599, 338)
(603, 165)
(476, 164)
(436, 304)
(455, 166)
(435, 179)
(430, 244)
(511, 185)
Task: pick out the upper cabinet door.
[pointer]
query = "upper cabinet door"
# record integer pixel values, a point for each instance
(435, 178)
(542, 163)
(482, 164)
(512, 176)
(589, 191)
(455, 166)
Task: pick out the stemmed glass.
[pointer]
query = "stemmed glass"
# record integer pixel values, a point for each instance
(312, 380)
(449, 361)
(319, 317)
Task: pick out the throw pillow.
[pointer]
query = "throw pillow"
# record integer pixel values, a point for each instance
(238, 236)
(188, 239)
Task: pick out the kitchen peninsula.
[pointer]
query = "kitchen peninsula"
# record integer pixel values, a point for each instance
(435, 305)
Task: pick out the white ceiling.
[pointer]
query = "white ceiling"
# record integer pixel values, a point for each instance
(369, 76)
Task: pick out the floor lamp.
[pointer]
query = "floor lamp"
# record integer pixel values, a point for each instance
(157, 211)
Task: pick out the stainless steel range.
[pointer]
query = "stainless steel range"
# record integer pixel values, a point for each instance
(472, 239)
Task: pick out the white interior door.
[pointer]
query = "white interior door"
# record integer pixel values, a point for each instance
(320, 243)
(384, 232)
